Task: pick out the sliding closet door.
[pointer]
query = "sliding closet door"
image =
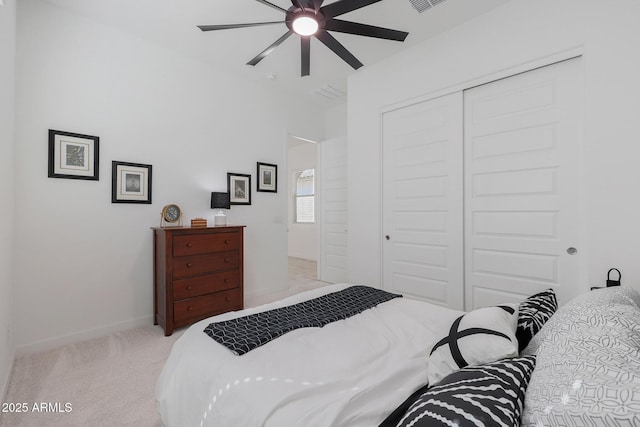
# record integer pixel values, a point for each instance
(522, 151)
(422, 200)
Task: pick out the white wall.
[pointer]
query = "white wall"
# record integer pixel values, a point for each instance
(83, 266)
(337, 121)
(7, 109)
(520, 32)
(303, 238)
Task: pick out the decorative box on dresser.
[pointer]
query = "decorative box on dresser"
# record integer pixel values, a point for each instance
(198, 273)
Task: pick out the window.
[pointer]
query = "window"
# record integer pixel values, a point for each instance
(304, 195)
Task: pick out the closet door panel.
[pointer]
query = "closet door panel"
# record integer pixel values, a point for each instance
(422, 200)
(522, 151)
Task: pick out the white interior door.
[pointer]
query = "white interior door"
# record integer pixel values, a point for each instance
(333, 210)
(422, 200)
(522, 149)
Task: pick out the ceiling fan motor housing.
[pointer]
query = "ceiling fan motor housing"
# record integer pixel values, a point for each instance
(294, 13)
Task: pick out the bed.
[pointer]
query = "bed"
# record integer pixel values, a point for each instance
(374, 368)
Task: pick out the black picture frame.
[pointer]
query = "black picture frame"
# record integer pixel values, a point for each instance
(267, 177)
(131, 182)
(73, 155)
(239, 188)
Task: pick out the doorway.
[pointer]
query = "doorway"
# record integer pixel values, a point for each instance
(317, 210)
(302, 236)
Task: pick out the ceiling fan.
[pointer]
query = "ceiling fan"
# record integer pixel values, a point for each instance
(308, 18)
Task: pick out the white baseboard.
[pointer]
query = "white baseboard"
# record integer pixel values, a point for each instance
(51, 343)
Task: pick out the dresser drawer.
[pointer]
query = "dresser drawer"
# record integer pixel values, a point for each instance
(200, 285)
(194, 244)
(202, 264)
(198, 273)
(198, 308)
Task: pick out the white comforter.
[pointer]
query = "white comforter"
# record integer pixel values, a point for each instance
(352, 372)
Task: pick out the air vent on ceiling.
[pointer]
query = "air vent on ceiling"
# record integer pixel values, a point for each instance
(328, 92)
(422, 5)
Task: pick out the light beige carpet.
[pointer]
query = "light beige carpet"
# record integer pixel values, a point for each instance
(108, 381)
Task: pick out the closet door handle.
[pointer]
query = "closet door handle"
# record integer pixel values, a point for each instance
(387, 237)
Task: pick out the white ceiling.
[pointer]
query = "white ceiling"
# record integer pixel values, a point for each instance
(172, 23)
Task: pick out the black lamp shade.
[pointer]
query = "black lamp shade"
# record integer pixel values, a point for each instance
(220, 201)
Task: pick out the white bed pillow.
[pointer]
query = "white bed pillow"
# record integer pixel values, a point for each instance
(480, 336)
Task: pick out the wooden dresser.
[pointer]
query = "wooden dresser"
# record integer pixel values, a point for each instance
(198, 273)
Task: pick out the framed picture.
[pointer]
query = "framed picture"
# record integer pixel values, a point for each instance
(267, 177)
(74, 156)
(130, 183)
(239, 188)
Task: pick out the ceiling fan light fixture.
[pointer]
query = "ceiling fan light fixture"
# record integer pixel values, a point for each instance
(309, 18)
(305, 25)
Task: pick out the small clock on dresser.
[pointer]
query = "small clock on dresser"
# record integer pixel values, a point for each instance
(171, 215)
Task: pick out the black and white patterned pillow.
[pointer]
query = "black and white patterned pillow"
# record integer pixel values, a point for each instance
(533, 313)
(587, 363)
(480, 336)
(486, 395)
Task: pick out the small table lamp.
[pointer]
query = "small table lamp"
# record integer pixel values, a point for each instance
(220, 201)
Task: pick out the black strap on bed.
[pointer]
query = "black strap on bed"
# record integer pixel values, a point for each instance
(243, 334)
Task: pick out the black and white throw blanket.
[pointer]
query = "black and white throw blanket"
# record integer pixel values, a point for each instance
(246, 333)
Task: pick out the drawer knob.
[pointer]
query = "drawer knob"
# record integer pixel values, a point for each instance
(227, 241)
(226, 280)
(189, 308)
(189, 287)
(189, 265)
(227, 260)
(227, 299)
(189, 245)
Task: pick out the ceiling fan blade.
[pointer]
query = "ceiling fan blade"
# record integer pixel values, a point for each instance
(316, 4)
(300, 4)
(305, 47)
(338, 48)
(345, 6)
(365, 30)
(265, 2)
(270, 49)
(232, 26)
